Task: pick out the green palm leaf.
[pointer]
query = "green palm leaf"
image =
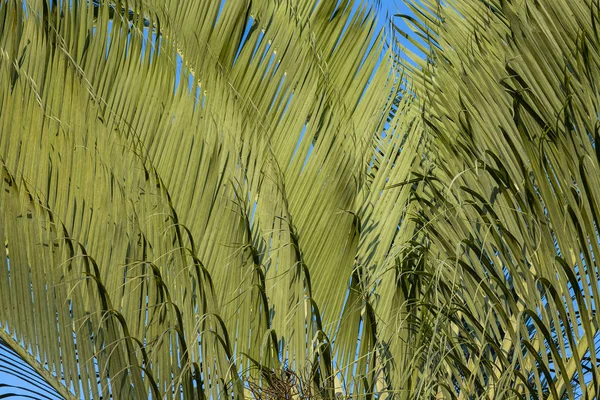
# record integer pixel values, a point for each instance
(505, 207)
(173, 231)
(290, 215)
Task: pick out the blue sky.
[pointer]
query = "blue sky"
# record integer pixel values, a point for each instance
(387, 7)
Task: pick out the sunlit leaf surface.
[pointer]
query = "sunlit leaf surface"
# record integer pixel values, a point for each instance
(216, 199)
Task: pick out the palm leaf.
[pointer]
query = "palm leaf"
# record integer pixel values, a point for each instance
(503, 208)
(285, 202)
(172, 231)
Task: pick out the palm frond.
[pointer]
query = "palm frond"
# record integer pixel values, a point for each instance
(504, 206)
(201, 196)
(182, 220)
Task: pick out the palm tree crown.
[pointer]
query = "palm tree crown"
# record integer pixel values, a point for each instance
(305, 209)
